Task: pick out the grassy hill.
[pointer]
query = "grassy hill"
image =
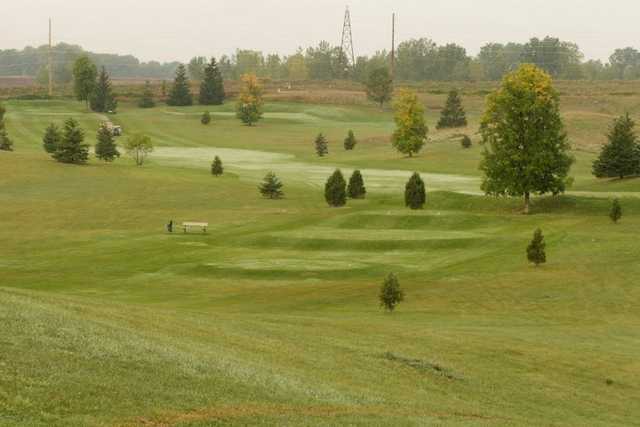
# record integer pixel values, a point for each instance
(272, 317)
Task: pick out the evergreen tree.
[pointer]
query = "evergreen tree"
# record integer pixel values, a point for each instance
(180, 93)
(206, 118)
(212, 86)
(415, 194)
(390, 293)
(356, 188)
(527, 150)
(466, 141)
(216, 167)
(453, 115)
(379, 86)
(102, 99)
(536, 249)
(249, 106)
(621, 156)
(71, 148)
(147, 97)
(411, 130)
(271, 187)
(51, 139)
(335, 190)
(106, 146)
(322, 146)
(350, 141)
(5, 142)
(616, 211)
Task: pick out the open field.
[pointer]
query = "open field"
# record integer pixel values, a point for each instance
(272, 317)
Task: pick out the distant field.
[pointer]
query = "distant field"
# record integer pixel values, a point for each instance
(272, 318)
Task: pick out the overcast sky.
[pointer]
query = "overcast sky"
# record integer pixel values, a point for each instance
(168, 30)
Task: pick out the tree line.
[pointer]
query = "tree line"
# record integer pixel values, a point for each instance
(417, 60)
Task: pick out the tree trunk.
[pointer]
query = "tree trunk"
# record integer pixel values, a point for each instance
(527, 200)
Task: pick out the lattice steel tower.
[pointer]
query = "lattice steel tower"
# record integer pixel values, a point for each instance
(347, 40)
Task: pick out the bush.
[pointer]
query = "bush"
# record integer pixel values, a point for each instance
(322, 147)
(356, 188)
(536, 249)
(335, 190)
(415, 194)
(616, 211)
(390, 294)
(216, 167)
(466, 141)
(350, 141)
(271, 187)
(206, 118)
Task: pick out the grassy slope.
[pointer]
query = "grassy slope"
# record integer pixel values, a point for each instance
(272, 317)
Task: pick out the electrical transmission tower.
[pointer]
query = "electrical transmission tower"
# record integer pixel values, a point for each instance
(346, 47)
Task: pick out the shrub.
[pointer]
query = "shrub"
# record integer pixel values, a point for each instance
(206, 118)
(616, 211)
(139, 146)
(536, 249)
(350, 141)
(216, 167)
(322, 147)
(390, 293)
(271, 187)
(356, 188)
(415, 194)
(335, 190)
(466, 141)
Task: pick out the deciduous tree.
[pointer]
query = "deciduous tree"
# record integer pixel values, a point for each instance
(146, 101)
(411, 130)
(139, 146)
(249, 106)
(380, 86)
(84, 78)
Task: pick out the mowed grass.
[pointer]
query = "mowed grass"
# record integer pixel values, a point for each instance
(272, 317)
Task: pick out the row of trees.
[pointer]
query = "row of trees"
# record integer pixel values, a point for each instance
(95, 90)
(211, 87)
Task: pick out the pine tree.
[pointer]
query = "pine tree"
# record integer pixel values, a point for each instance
(5, 142)
(180, 93)
(106, 148)
(322, 146)
(390, 293)
(206, 118)
(271, 187)
(335, 190)
(453, 115)
(212, 86)
(147, 97)
(102, 99)
(616, 211)
(51, 139)
(216, 167)
(535, 251)
(71, 149)
(350, 141)
(356, 188)
(415, 194)
(466, 141)
(621, 156)
(249, 106)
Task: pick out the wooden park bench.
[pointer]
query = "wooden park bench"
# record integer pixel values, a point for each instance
(187, 226)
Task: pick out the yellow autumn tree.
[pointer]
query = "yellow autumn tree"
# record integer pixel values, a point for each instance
(249, 107)
(411, 129)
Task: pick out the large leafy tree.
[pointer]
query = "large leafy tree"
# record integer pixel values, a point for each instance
(249, 106)
(211, 87)
(72, 148)
(84, 78)
(452, 115)
(380, 86)
(526, 146)
(106, 148)
(5, 142)
(180, 92)
(411, 129)
(335, 190)
(102, 98)
(51, 139)
(621, 156)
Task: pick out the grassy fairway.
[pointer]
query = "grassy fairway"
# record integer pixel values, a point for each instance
(272, 318)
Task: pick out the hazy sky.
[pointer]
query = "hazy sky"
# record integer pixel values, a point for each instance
(178, 30)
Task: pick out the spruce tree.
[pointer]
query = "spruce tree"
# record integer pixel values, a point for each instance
(180, 93)
(212, 86)
(206, 118)
(51, 139)
(415, 194)
(536, 249)
(466, 141)
(271, 187)
(102, 99)
(616, 211)
(350, 141)
(216, 167)
(621, 156)
(147, 97)
(5, 142)
(453, 115)
(71, 149)
(322, 146)
(106, 147)
(356, 188)
(390, 293)
(335, 190)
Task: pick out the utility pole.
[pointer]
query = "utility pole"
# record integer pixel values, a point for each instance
(393, 46)
(50, 63)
